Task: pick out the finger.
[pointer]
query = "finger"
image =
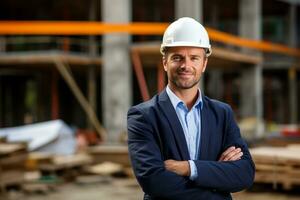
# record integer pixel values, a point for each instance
(236, 157)
(169, 164)
(232, 154)
(226, 152)
(168, 161)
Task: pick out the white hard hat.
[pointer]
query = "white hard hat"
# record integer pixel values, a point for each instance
(186, 32)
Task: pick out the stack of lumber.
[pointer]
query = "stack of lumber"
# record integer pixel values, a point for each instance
(277, 165)
(35, 159)
(114, 154)
(12, 164)
(67, 167)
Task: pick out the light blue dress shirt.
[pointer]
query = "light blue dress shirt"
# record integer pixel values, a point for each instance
(191, 124)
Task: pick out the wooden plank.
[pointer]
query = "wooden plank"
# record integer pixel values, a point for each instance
(6, 148)
(66, 162)
(276, 155)
(268, 167)
(90, 112)
(218, 52)
(116, 154)
(295, 147)
(9, 177)
(17, 160)
(105, 168)
(277, 165)
(47, 58)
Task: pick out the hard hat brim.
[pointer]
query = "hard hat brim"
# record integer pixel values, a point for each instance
(186, 44)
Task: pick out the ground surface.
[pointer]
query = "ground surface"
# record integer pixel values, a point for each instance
(126, 189)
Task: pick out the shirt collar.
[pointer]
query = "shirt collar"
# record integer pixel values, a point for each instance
(176, 100)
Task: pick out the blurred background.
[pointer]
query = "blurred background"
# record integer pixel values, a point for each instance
(70, 70)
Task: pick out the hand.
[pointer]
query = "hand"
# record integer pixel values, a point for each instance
(181, 168)
(231, 154)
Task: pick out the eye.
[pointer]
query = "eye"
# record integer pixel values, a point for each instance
(195, 58)
(176, 58)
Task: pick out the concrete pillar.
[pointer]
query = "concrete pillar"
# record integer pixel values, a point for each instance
(2, 44)
(2, 49)
(92, 40)
(215, 85)
(293, 95)
(250, 17)
(1, 103)
(293, 90)
(214, 14)
(116, 70)
(190, 8)
(91, 74)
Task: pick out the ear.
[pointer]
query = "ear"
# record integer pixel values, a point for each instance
(164, 61)
(204, 65)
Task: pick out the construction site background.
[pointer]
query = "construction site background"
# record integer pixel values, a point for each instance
(70, 70)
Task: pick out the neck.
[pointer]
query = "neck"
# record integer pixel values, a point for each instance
(188, 96)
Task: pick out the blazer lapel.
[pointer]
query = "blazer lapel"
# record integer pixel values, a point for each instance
(205, 131)
(170, 113)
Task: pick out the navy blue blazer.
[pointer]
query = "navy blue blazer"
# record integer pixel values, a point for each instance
(155, 134)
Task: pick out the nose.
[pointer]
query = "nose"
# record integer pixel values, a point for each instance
(186, 63)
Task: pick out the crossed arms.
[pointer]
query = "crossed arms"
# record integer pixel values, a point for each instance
(182, 168)
(233, 172)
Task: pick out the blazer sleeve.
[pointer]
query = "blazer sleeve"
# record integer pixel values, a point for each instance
(229, 176)
(148, 164)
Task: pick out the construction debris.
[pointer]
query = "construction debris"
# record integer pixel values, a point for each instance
(105, 169)
(115, 154)
(35, 159)
(54, 137)
(12, 164)
(67, 167)
(277, 165)
(93, 179)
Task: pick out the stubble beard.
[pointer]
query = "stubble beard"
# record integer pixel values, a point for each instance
(184, 84)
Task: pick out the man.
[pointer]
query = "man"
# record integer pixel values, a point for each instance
(182, 144)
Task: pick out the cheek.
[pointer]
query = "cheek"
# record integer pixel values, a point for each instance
(202, 68)
(170, 67)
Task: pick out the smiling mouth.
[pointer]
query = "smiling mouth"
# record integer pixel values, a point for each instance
(185, 74)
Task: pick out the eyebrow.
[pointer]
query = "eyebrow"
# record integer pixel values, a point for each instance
(192, 55)
(195, 56)
(176, 54)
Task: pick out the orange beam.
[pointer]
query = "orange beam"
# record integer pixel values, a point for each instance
(143, 28)
(78, 28)
(253, 44)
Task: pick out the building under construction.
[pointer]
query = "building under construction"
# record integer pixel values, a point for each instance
(87, 62)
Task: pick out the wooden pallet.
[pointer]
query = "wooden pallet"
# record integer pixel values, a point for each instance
(12, 164)
(67, 167)
(277, 165)
(115, 154)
